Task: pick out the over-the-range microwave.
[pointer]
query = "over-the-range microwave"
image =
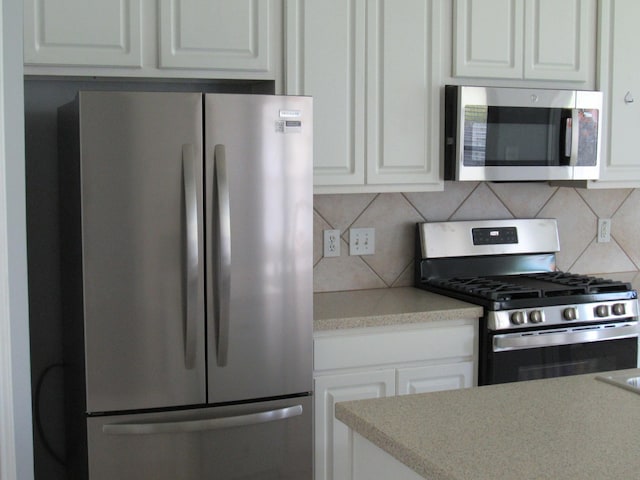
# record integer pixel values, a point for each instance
(521, 134)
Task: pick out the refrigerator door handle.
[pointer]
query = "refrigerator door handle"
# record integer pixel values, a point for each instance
(189, 177)
(223, 272)
(202, 425)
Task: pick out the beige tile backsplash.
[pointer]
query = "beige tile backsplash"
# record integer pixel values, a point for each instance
(394, 216)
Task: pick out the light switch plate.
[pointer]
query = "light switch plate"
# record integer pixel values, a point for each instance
(362, 241)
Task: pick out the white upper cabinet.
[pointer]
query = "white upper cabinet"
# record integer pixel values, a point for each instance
(372, 67)
(217, 35)
(325, 59)
(488, 38)
(525, 39)
(81, 32)
(620, 82)
(239, 39)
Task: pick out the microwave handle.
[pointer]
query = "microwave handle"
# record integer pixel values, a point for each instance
(572, 130)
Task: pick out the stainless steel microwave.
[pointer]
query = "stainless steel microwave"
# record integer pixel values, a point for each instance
(521, 134)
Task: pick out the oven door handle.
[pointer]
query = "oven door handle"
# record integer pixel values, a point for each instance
(565, 336)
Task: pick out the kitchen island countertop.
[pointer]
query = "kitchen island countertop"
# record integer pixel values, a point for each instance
(386, 307)
(563, 428)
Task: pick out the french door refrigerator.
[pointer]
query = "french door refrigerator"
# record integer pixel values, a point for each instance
(187, 285)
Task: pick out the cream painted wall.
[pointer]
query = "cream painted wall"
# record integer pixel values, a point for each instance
(16, 442)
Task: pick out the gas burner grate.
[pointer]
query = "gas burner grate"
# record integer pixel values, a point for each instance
(496, 290)
(582, 283)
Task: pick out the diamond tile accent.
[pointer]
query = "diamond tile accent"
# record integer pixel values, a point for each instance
(340, 211)
(394, 217)
(576, 225)
(482, 204)
(625, 226)
(439, 206)
(603, 258)
(344, 273)
(524, 200)
(604, 202)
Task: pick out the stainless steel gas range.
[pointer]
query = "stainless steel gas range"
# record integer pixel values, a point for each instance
(538, 322)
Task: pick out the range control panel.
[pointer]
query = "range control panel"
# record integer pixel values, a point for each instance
(494, 236)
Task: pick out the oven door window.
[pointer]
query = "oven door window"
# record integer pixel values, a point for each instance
(560, 360)
(519, 136)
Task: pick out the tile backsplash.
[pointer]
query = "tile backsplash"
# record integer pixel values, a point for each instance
(394, 215)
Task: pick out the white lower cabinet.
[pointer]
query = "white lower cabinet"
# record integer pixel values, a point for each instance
(363, 363)
(333, 442)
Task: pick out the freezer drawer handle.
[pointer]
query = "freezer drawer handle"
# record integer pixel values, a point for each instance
(223, 279)
(202, 425)
(189, 178)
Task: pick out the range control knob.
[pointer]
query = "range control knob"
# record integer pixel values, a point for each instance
(535, 316)
(602, 311)
(619, 309)
(517, 318)
(570, 313)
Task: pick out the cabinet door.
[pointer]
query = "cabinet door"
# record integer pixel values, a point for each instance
(403, 60)
(560, 40)
(333, 439)
(326, 49)
(488, 38)
(434, 378)
(619, 78)
(235, 35)
(81, 32)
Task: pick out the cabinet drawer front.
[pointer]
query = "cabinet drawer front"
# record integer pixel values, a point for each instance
(363, 349)
(434, 378)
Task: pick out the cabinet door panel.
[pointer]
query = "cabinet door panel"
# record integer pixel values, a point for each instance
(434, 378)
(333, 440)
(330, 37)
(488, 38)
(77, 32)
(559, 40)
(402, 100)
(619, 78)
(221, 34)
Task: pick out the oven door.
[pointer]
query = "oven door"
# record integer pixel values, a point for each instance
(530, 355)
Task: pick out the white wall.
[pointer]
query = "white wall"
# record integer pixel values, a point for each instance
(16, 439)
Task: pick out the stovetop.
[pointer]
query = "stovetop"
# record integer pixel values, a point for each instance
(503, 292)
(509, 267)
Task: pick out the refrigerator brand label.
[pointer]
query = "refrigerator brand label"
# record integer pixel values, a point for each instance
(290, 113)
(288, 126)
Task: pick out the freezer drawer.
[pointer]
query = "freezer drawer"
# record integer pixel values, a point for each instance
(216, 443)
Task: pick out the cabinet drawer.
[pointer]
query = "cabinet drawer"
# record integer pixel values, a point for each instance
(361, 348)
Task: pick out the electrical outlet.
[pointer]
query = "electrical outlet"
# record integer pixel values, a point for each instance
(332, 243)
(362, 241)
(604, 230)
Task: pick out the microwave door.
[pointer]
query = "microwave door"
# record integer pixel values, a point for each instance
(502, 143)
(513, 134)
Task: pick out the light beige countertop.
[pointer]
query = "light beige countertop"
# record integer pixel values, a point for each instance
(561, 428)
(386, 306)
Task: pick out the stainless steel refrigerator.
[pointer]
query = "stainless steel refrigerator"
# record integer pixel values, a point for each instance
(187, 285)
